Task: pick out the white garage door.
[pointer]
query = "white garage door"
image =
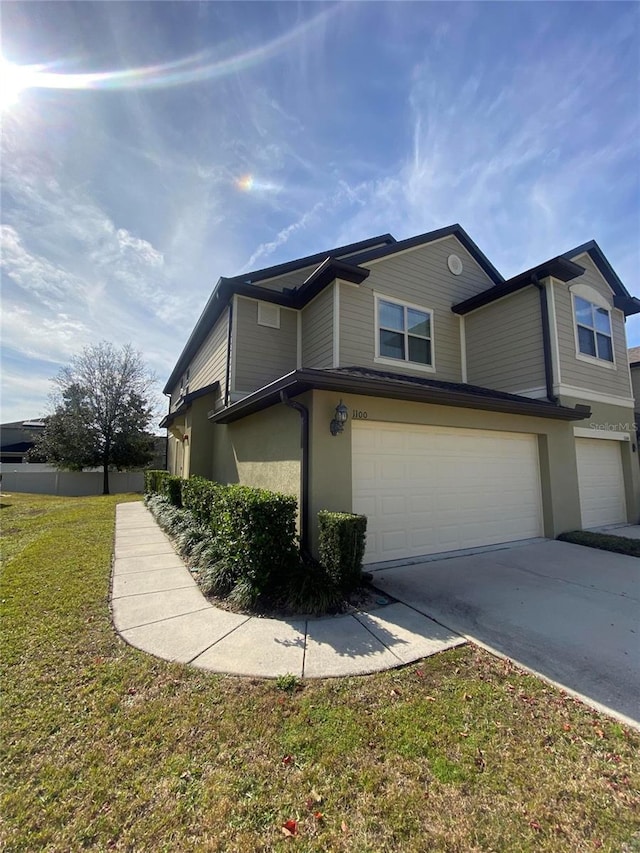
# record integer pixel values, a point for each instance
(430, 489)
(602, 499)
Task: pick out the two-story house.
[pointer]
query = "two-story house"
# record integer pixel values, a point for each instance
(407, 380)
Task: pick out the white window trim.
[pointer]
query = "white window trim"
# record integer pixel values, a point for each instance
(396, 362)
(581, 356)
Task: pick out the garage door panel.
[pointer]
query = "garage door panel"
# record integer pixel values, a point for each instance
(601, 482)
(436, 489)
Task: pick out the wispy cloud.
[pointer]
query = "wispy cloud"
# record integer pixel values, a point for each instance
(121, 209)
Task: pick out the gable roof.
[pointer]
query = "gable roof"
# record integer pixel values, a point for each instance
(342, 262)
(246, 285)
(559, 268)
(622, 299)
(310, 260)
(423, 239)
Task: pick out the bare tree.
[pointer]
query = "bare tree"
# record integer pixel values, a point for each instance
(102, 412)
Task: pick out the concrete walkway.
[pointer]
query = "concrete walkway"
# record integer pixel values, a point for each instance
(158, 607)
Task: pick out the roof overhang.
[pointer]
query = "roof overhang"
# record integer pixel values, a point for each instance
(622, 299)
(560, 268)
(462, 396)
(185, 405)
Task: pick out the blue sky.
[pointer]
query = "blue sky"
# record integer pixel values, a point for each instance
(231, 136)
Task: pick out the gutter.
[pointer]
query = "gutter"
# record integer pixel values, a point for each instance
(546, 339)
(299, 381)
(304, 463)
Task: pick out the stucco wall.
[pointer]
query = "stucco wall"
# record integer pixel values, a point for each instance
(261, 450)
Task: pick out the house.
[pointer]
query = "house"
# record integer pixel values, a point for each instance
(634, 367)
(17, 438)
(409, 381)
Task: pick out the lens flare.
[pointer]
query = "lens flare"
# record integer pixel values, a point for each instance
(14, 79)
(245, 183)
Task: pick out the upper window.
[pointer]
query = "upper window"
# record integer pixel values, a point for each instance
(593, 325)
(404, 333)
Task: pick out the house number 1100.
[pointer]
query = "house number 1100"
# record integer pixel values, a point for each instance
(359, 415)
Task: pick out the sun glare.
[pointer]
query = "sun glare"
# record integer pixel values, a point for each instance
(14, 79)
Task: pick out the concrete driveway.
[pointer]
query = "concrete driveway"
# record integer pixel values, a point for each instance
(570, 613)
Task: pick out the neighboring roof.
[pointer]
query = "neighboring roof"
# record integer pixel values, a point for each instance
(559, 268)
(633, 354)
(18, 447)
(622, 298)
(376, 383)
(331, 265)
(34, 423)
(187, 401)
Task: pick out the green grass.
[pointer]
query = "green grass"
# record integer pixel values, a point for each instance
(603, 541)
(106, 748)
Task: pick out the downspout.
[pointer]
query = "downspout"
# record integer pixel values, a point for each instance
(227, 378)
(304, 462)
(166, 440)
(546, 339)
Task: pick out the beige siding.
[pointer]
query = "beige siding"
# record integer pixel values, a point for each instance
(504, 343)
(317, 331)
(210, 362)
(588, 375)
(263, 354)
(420, 276)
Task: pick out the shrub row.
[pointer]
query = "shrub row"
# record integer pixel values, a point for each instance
(163, 483)
(251, 550)
(603, 541)
(154, 482)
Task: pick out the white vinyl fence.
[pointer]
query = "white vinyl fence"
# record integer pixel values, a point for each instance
(44, 480)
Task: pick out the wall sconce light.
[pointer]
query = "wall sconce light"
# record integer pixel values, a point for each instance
(337, 424)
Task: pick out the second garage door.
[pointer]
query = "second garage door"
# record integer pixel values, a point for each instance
(602, 499)
(430, 489)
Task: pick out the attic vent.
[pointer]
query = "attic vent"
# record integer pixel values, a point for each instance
(268, 315)
(455, 264)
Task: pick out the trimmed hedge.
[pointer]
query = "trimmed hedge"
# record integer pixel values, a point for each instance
(254, 534)
(603, 541)
(154, 482)
(203, 498)
(341, 547)
(173, 490)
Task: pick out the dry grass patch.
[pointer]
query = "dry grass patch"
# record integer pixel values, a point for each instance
(106, 748)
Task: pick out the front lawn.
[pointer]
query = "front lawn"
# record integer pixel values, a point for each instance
(105, 748)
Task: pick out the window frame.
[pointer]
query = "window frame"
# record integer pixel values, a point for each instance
(405, 362)
(610, 364)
